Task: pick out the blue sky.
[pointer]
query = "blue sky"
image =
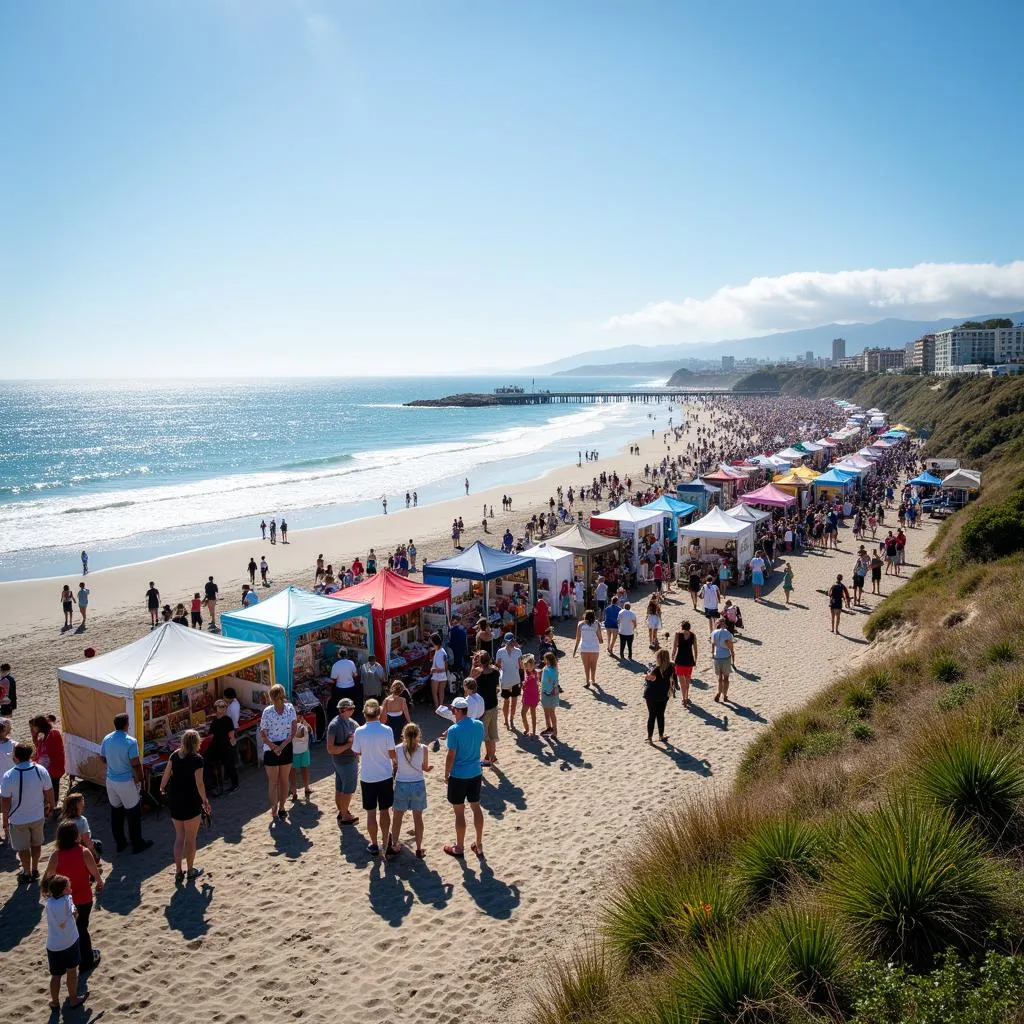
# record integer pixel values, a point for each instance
(276, 186)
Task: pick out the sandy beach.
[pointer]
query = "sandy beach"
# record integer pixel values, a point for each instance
(301, 923)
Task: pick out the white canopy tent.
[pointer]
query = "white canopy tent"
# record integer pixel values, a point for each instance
(554, 564)
(718, 526)
(169, 659)
(749, 514)
(633, 521)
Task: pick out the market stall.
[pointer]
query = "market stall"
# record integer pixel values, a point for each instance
(593, 554)
(486, 582)
(698, 493)
(405, 613)
(769, 496)
(855, 464)
(166, 682)
(718, 537)
(554, 567)
(306, 631)
(638, 527)
(962, 484)
(748, 514)
(673, 513)
(832, 484)
(726, 482)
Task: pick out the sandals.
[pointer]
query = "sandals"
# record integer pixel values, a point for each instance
(453, 851)
(420, 852)
(477, 849)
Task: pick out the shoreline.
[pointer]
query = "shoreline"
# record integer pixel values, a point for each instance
(28, 603)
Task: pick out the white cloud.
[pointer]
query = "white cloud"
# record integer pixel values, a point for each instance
(808, 299)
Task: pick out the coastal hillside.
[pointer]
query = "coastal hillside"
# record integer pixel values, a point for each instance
(684, 378)
(868, 863)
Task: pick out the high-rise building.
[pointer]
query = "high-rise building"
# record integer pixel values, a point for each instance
(978, 346)
(809, 357)
(920, 353)
(728, 364)
(878, 360)
(838, 350)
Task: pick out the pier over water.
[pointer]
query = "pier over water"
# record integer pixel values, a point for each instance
(632, 395)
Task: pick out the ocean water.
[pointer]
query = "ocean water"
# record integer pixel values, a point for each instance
(132, 470)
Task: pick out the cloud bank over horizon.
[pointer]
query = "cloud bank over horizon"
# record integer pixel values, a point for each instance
(927, 291)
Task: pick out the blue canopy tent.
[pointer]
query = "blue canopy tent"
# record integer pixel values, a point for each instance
(897, 435)
(286, 618)
(700, 494)
(926, 479)
(482, 564)
(675, 512)
(834, 480)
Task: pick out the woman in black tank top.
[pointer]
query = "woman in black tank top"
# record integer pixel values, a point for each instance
(684, 658)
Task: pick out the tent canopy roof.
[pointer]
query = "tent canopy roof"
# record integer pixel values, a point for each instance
(835, 478)
(630, 513)
(390, 592)
(716, 524)
(547, 552)
(168, 654)
(698, 485)
(666, 503)
(299, 610)
(790, 453)
(478, 562)
(720, 476)
(580, 541)
(856, 460)
(748, 514)
(769, 495)
(926, 479)
(963, 479)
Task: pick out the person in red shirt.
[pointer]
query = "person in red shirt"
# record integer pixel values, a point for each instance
(659, 576)
(901, 543)
(541, 617)
(49, 751)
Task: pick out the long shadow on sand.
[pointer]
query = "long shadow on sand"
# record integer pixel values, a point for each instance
(494, 897)
(684, 761)
(742, 711)
(707, 717)
(396, 885)
(19, 915)
(496, 797)
(186, 911)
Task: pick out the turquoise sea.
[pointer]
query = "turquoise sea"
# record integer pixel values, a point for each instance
(131, 470)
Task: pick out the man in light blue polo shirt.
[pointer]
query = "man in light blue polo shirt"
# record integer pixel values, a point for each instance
(463, 775)
(120, 753)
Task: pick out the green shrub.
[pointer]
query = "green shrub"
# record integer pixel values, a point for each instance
(822, 744)
(734, 978)
(974, 777)
(778, 852)
(859, 699)
(879, 684)
(956, 697)
(912, 881)
(955, 993)
(792, 747)
(651, 914)
(996, 531)
(814, 951)
(863, 732)
(1000, 652)
(885, 617)
(970, 583)
(946, 669)
(576, 991)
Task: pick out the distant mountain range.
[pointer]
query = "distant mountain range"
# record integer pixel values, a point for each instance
(653, 360)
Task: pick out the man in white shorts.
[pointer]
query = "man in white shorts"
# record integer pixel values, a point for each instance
(120, 753)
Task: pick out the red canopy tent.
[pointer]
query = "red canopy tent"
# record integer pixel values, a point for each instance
(389, 596)
(767, 495)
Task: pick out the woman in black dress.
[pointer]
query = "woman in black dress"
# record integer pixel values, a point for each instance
(659, 685)
(182, 784)
(684, 658)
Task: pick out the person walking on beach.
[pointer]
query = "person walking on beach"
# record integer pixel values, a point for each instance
(197, 611)
(318, 575)
(153, 605)
(627, 630)
(411, 553)
(263, 529)
(694, 583)
(588, 645)
(653, 621)
(83, 604)
(384, 502)
(119, 753)
(67, 603)
(710, 597)
(211, 591)
(510, 667)
(85, 563)
(787, 581)
(467, 484)
(861, 567)
(62, 942)
(284, 532)
(723, 649)
(659, 685)
(26, 799)
(273, 531)
(876, 573)
(182, 783)
(837, 595)
(264, 570)
(463, 778)
(410, 789)
(757, 576)
(684, 658)
(252, 567)
(346, 768)
(374, 745)
(611, 622)
(277, 730)
(549, 694)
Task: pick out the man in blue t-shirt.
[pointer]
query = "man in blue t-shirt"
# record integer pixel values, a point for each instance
(723, 650)
(462, 773)
(611, 622)
(457, 641)
(120, 753)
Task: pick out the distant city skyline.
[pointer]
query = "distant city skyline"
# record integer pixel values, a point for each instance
(218, 187)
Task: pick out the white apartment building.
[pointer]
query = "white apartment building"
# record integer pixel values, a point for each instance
(973, 346)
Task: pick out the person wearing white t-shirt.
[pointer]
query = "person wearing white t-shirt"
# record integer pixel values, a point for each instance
(438, 669)
(234, 708)
(710, 595)
(509, 660)
(346, 682)
(627, 630)
(26, 798)
(374, 745)
(578, 591)
(410, 788)
(6, 747)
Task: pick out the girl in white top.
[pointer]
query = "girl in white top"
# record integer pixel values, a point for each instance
(410, 788)
(62, 941)
(278, 725)
(6, 747)
(589, 639)
(438, 670)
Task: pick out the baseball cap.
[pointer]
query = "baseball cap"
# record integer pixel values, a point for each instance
(346, 702)
(509, 636)
(461, 703)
